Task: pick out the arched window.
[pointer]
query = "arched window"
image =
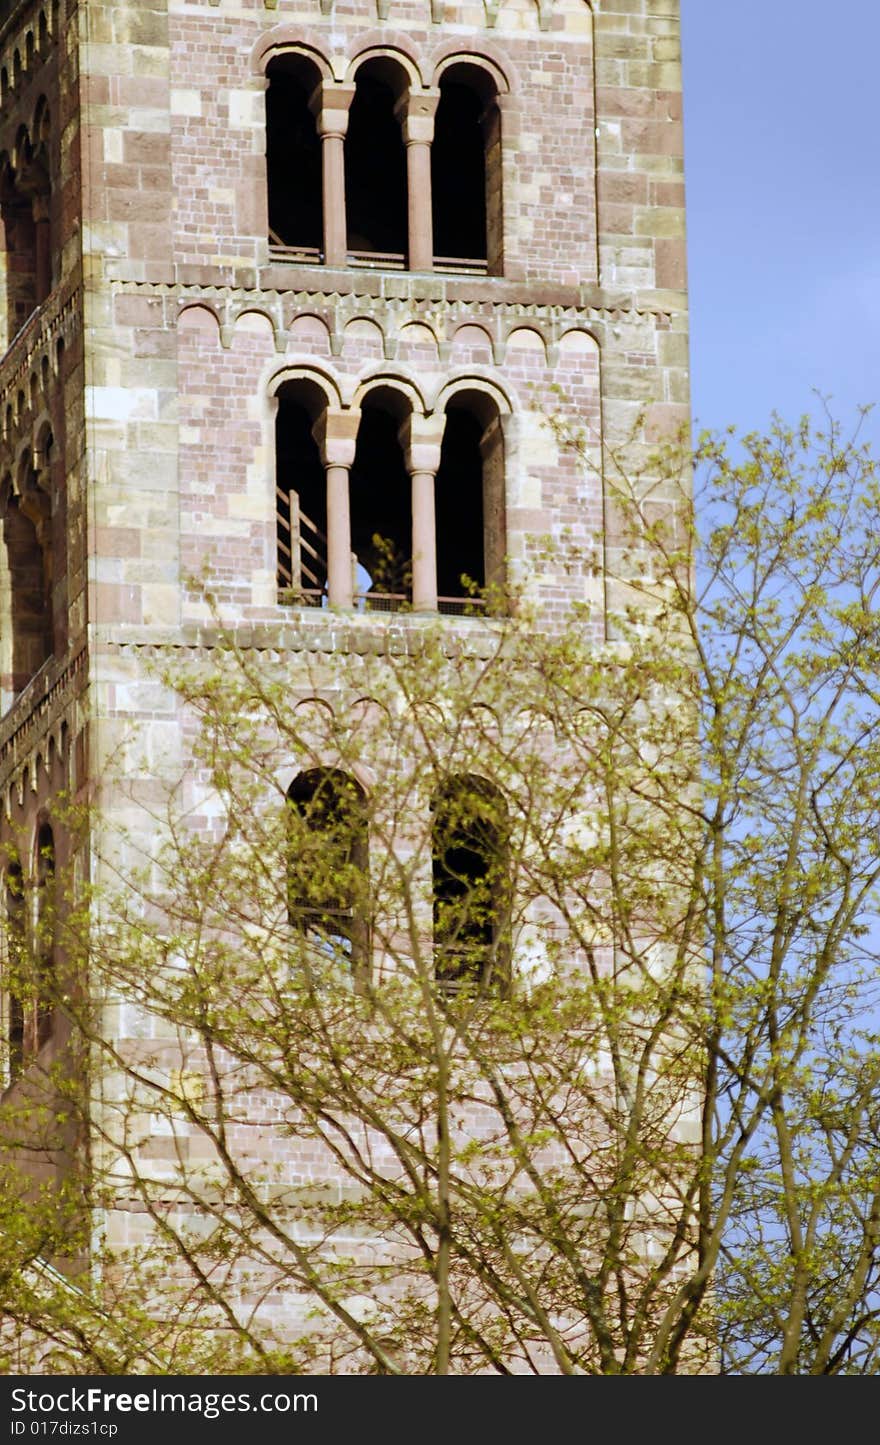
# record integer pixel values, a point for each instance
(470, 504)
(471, 877)
(26, 633)
(15, 960)
(374, 509)
(466, 172)
(375, 166)
(381, 504)
(328, 865)
(300, 495)
(19, 257)
(26, 260)
(293, 158)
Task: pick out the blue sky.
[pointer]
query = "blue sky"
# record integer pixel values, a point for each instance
(782, 168)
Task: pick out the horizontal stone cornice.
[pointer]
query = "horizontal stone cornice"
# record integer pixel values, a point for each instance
(39, 711)
(416, 294)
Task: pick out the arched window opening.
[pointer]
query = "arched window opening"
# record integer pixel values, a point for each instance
(328, 865)
(300, 496)
(459, 511)
(19, 257)
(44, 950)
(27, 589)
(375, 168)
(26, 262)
(470, 506)
(293, 159)
(466, 173)
(471, 877)
(15, 968)
(381, 507)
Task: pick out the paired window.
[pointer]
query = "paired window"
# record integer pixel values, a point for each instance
(29, 955)
(378, 173)
(328, 876)
(411, 515)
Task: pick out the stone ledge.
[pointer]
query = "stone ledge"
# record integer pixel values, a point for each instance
(321, 286)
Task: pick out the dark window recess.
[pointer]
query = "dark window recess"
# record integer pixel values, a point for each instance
(20, 252)
(375, 171)
(45, 939)
(28, 553)
(328, 864)
(470, 852)
(16, 953)
(381, 512)
(301, 505)
(459, 506)
(458, 175)
(293, 157)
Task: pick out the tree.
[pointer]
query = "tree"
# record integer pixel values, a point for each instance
(498, 999)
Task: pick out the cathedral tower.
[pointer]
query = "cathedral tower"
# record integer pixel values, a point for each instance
(290, 293)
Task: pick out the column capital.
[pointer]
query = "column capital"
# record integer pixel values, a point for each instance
(329, 103)
(421, 438)
(415, 110)
(335, 432)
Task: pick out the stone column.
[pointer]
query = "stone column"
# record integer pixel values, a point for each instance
(329, 104)
(415, 110)
(421, 438)
(335, 432)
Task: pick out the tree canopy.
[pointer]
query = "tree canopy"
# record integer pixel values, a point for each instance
(489, 998)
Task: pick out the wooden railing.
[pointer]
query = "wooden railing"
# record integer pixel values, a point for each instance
(302, 552)
(460, 265)
(377, 260)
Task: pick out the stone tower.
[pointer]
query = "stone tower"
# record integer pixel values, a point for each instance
(282, 276)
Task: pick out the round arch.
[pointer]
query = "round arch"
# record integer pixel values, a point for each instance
(496, 396)
(494, 78)
(322, 380)
(287, 40)
(396, 55)
(392, 382)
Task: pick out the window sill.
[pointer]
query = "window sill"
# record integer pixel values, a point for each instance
(383, 605)
(377, 261)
